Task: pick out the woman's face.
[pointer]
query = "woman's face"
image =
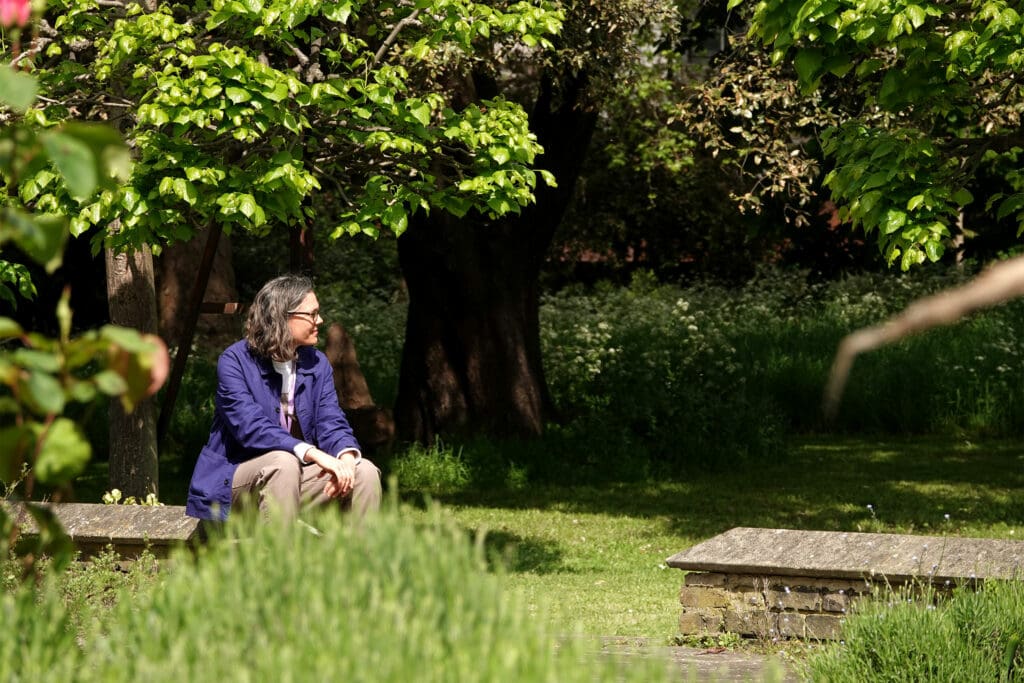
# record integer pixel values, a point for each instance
(304, 321)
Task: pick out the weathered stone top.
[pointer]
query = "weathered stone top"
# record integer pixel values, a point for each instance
(89, 523)
(850, 555)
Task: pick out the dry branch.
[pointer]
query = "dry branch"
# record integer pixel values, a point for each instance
(995, 285)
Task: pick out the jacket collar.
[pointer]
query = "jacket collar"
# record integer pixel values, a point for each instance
(305, 362)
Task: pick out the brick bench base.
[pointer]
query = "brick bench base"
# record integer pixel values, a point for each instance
(769, 583)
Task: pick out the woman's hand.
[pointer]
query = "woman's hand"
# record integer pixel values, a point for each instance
(341, 470)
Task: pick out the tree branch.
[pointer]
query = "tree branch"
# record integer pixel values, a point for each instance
(389, 41)
(995, 285)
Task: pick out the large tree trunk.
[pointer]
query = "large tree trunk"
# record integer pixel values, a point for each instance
(133, 447)
(471, 360)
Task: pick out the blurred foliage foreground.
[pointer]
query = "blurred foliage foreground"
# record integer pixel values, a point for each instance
(390, 601)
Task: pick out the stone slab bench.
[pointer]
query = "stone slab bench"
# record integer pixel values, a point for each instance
(799, 584)
(128, 529)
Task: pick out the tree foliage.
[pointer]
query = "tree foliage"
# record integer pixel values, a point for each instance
(239, 111)
(939, 93)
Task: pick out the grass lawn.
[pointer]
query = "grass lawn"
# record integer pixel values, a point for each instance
(596, 554)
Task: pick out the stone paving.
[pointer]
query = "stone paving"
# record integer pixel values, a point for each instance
(706, 665)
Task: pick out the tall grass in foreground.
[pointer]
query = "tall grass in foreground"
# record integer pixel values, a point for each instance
(974, 636)
(388, 601)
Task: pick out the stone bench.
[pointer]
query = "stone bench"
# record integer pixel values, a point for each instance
(128, 529)
(770, 583)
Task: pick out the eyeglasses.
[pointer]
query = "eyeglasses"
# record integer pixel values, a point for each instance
(313, 315)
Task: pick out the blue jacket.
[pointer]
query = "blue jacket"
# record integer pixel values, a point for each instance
(247, 421)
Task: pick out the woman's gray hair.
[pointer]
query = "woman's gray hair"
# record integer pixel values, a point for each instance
(266, 326)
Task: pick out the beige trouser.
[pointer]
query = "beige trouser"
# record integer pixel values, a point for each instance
(281, 485)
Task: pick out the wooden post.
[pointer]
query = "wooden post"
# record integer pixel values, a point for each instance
(195, 304)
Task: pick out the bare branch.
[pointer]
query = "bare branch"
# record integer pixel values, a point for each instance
(389, 41)
(995, 285)
(299, 54)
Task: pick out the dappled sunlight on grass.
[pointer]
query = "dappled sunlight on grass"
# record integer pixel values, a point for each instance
(597, 552)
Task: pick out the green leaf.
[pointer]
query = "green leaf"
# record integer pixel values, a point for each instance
(125, 337)
(9, 328)
(17, 90)
(237, 95)
(42, 237)
(1010, 205)
(63, 453)
(75, 161)
(421, 112)
(110, 153)
(500, 154)
(32, 359)
(963, 197)
(247, 205)
(808, 66)
(899, 26)
(915, 15)
(338, 11)
(110, 383)
(43, 393)
(876, 179)
(893, 221)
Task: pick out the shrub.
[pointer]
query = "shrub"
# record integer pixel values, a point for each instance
(435, 470)
(653, 365)
(974, 636)
(384, 601)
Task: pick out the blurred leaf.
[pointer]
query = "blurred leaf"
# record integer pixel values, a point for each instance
(32, 359)
(9, 328)
(63, 453)
(42, 237)
(75, 161)
(43, 394)
(109, 152)
(50, 540)
(110, 383)
(17, 90)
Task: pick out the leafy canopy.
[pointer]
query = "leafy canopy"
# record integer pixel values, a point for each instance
(941, 100)
(239, 111)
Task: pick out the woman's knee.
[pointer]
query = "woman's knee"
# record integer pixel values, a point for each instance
(367, 472)
(283, 467)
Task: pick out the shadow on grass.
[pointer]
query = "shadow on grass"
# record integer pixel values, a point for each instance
(516, 553)
(823, 482)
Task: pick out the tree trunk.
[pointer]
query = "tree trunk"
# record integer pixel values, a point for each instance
(301, 257)
(374, 427)
(177, 268)
(471, 362)
(133, 447)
